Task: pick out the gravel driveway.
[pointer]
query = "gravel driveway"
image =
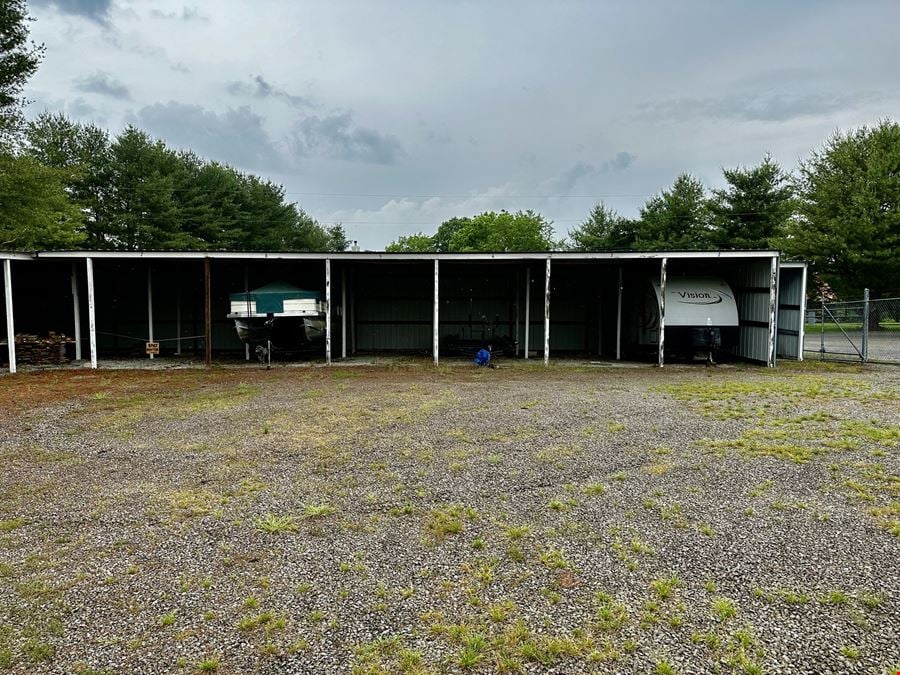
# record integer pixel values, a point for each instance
(388, 520)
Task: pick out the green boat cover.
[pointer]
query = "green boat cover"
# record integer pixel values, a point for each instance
(270, 298)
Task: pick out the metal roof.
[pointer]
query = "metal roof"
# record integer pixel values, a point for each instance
(384, 256)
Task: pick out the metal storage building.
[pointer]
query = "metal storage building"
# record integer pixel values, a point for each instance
(548, 304)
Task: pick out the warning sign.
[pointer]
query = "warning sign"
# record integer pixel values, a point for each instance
(153, 348)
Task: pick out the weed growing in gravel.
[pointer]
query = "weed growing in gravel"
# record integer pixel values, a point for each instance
(615, 427)
(871, 600)
(12, 524)
(448, 520)
(553, 558)
(723, 608)
(620, 475)
(663, 667)
(665, 587)
(852, 653)
(167, 619)
(836, 597)
(318, 510)
(210, 665)
(516, 532)
(594, 489)
(272, 524)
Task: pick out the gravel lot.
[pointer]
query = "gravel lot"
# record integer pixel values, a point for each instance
(406, 519)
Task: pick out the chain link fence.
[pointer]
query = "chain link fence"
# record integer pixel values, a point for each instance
(859, 330)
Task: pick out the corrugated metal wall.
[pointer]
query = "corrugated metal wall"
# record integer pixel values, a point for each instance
(791, 296)
(750, 282)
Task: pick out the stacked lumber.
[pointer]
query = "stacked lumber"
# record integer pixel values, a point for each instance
(42, 351)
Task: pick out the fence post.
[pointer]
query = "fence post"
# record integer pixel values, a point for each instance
(822, 330)
(865, 335)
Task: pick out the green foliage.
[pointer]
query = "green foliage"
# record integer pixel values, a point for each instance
(755, 208)
(19, 60)
(849, 224)
(35, 212)
(677, 218)
(490, 231)
(414, 243)
(136, 193)
(604, 230)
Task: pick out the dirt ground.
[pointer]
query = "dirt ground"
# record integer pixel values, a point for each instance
(412, 519)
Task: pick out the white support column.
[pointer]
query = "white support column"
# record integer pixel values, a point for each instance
(527, 311)
(76, 311)
(92, 322)
(178, 320)
(10, 327)
(773, 311)
(150, 304)
(547, 314)
(328, 311)
(662, 311)
(619, 318)
(436, 328)
(802, 316)
(343, 312)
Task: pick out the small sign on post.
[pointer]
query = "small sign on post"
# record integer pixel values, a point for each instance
(152, 348)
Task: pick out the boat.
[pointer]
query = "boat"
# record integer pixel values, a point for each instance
(279, 317)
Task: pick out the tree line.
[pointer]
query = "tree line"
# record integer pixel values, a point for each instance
(65, 184)
(840, 212)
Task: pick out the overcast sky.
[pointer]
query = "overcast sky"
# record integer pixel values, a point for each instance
(393, 116)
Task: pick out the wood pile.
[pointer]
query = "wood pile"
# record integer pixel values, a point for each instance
(42, 351)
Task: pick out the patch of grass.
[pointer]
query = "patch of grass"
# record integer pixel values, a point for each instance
(12, 524)
(442, 522)
(318, 510)
(273, 524)
(620, 475)
(37, 651)
(167, 619)
(663, 667)
(851, 653)
(516, 532)
(665, 587)
(594, 489)
(615, 427)
(209, 665)
(723, 608)
(835, 597)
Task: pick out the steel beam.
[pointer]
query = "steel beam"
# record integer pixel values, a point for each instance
(435, 346)
(547, 313)
(10, 327)
(802, 316)
(328, 311)
(662, 312)
(773, 311)
(92, 319)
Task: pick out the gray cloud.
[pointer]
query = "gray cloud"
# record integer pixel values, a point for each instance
(565, 182)
(236, 136)
(337, 137)
(259, 87)
(104, 84)
(96, 10)
(776, 107)
(81, 109)
(186, 14)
